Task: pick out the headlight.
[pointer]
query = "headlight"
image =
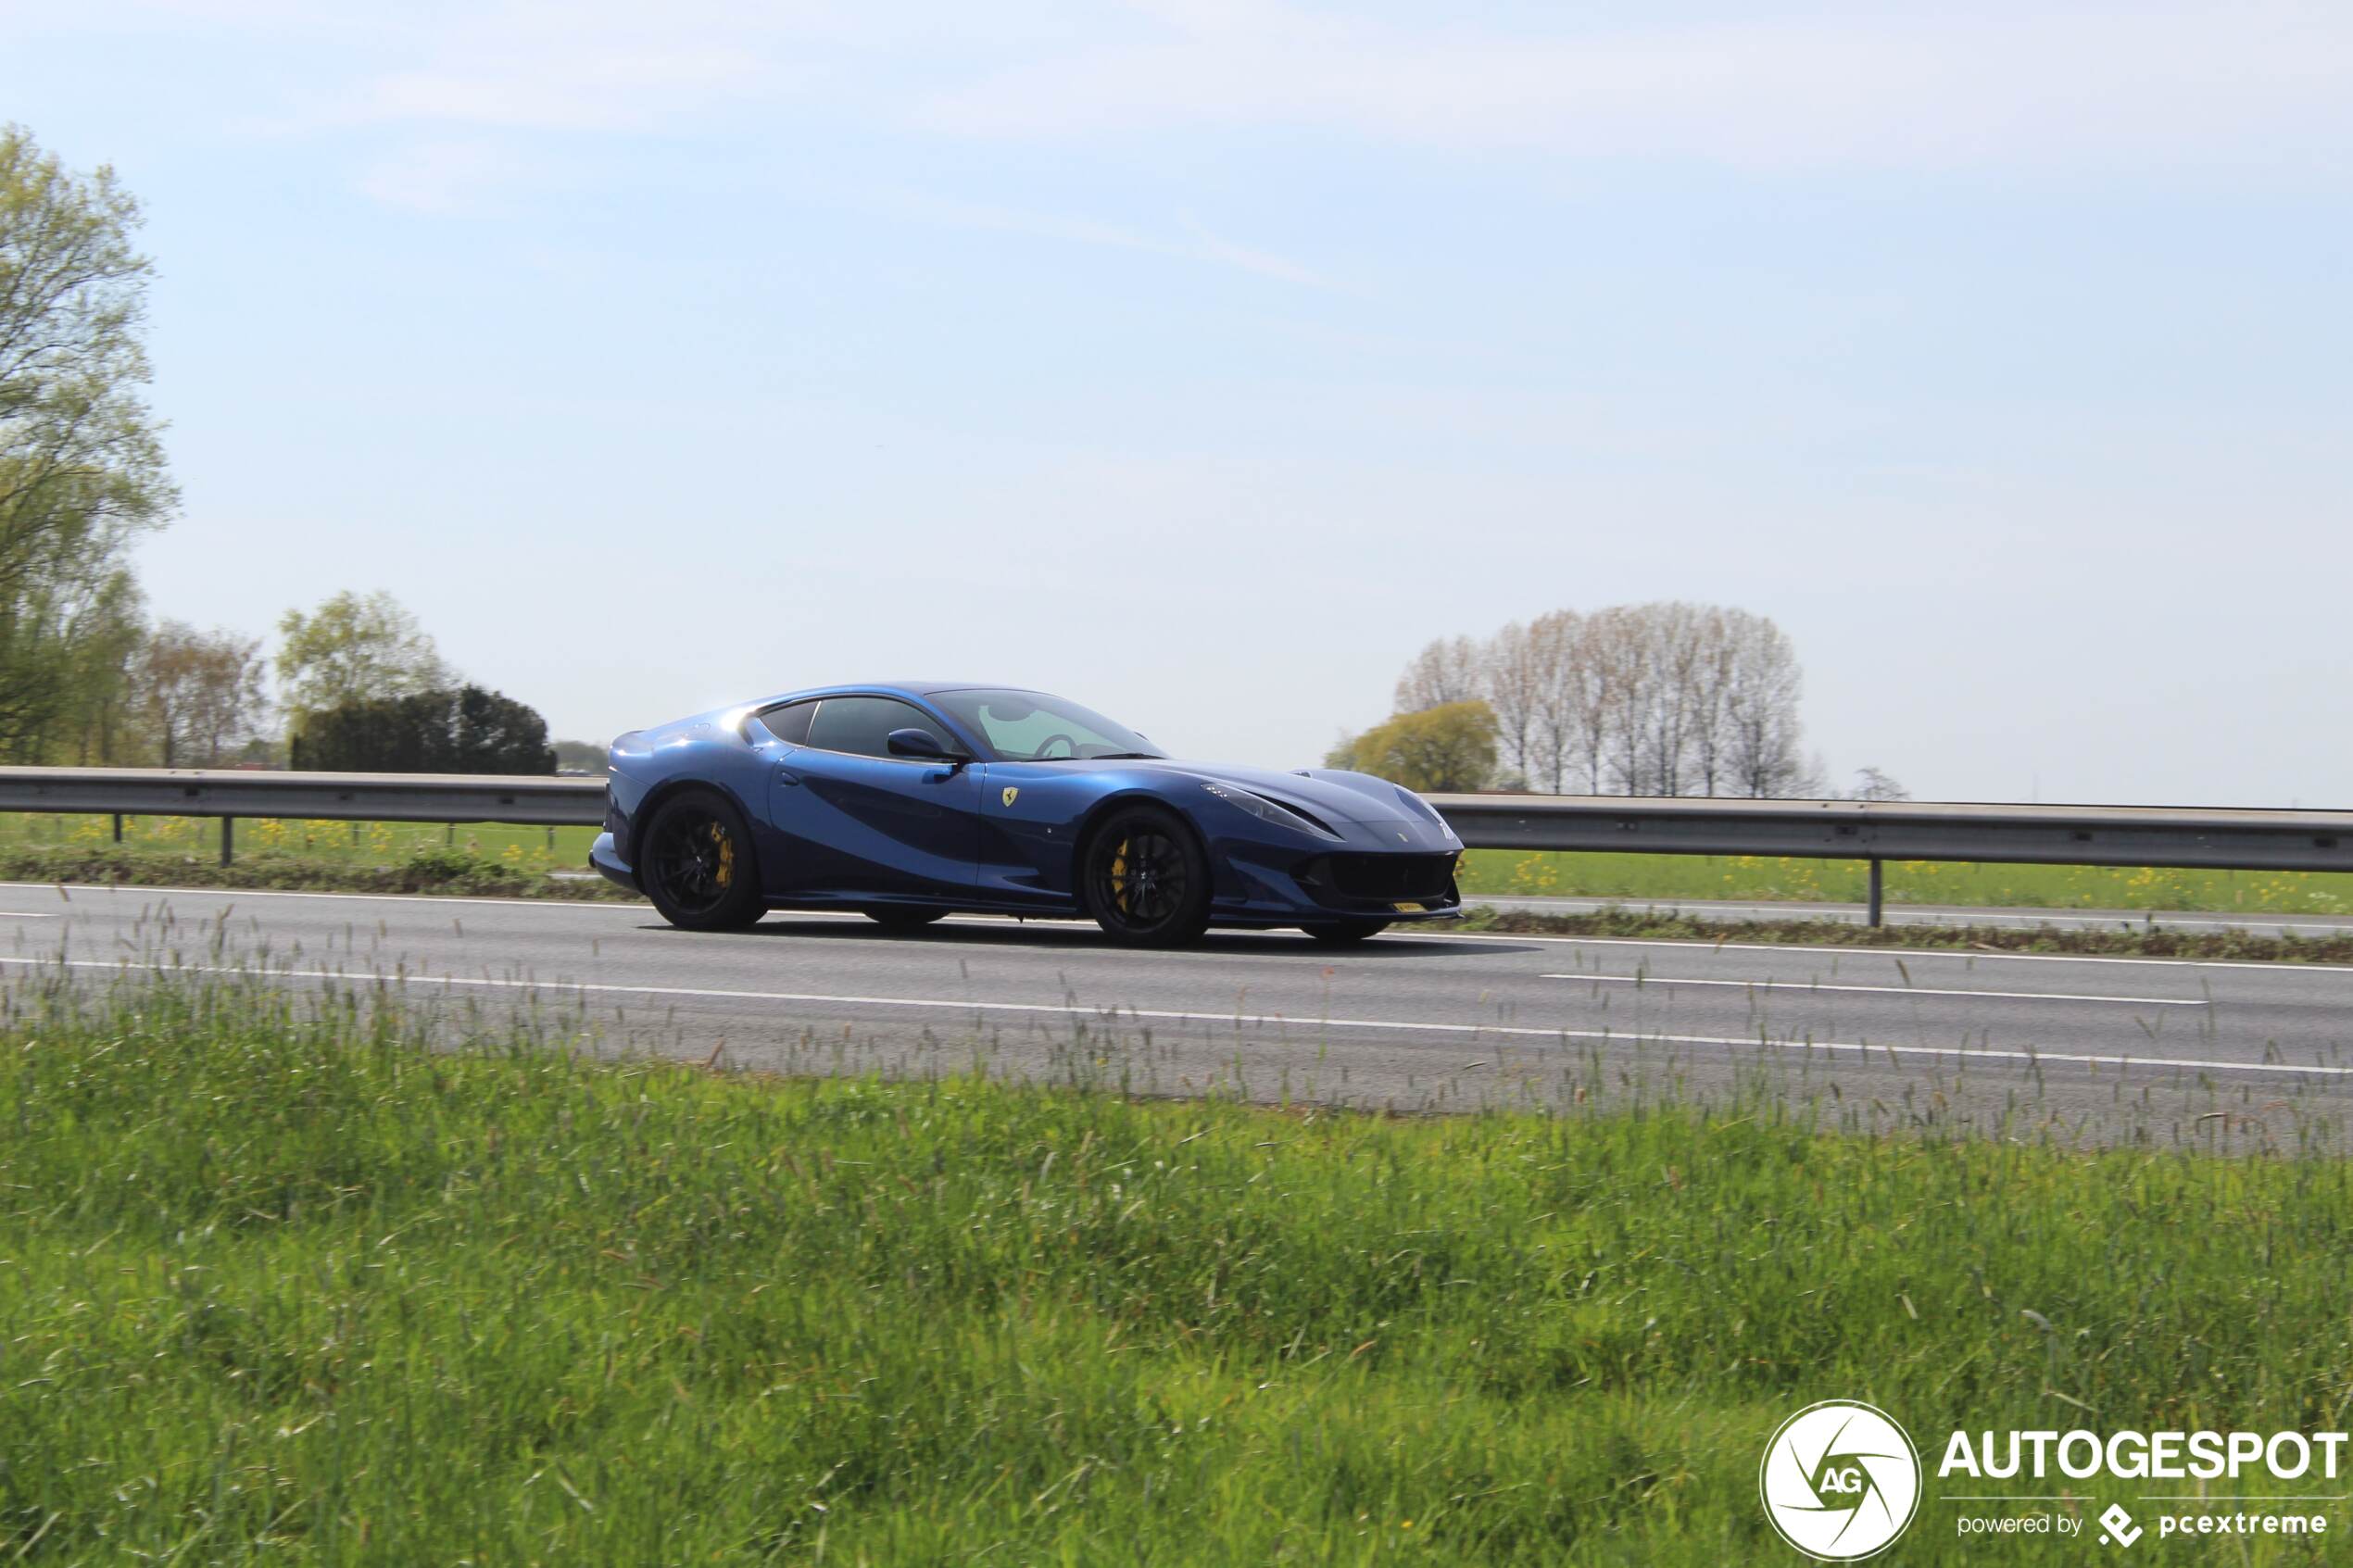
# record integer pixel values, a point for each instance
(1266, 810)
(1428, 812)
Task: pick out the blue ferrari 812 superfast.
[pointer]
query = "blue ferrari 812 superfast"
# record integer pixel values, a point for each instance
(909, 800)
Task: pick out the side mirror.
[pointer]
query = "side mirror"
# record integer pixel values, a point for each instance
(921, 744)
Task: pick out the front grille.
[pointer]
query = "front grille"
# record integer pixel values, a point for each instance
(1422, 878)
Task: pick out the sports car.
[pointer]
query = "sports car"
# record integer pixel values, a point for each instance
(910, 801)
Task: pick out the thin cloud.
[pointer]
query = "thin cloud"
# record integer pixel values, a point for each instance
(1199, 244)
(441, 178)
(1882, 87)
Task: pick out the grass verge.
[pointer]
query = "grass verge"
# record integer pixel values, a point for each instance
(1741, 878)
(280, 1284)
(2123, 941)
(423, 869)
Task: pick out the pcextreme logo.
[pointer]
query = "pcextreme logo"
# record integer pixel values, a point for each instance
(1839, 1480)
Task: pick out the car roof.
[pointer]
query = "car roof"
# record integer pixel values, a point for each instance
(891, 688)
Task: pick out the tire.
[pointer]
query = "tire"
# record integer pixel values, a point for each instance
(1145, 878)
(695, 863)
(904, 920)
(1344, 932)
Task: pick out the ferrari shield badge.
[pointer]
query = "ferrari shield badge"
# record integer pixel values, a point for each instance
(1010, 793)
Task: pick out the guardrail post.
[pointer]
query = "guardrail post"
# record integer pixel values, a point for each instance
(228, 840)
(118, 827)
(1875, 890)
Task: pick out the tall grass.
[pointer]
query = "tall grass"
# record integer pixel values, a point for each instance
(277, 1282)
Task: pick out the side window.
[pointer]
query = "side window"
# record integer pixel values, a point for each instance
(790, 722)
(861, 725)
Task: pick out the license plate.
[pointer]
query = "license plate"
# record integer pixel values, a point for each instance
(1411, 910)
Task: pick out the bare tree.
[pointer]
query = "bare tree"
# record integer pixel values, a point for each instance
(1671, 643)
(197, 692)
(1762, 755)
(1717, 665)
(1664, 699)
(1872, 784)
(1627, 682)
(1549, 645)
(1514, 686)
(1448, 671)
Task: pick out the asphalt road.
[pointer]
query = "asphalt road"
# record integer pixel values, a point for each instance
(2231, 1054)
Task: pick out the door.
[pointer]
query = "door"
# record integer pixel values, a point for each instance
(859, 822)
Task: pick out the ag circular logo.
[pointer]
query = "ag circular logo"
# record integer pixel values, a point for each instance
(1839, 1480)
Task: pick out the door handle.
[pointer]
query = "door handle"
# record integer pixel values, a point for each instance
(786, 776)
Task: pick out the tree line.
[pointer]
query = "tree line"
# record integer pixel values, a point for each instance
(1652, 699)
(85, 676)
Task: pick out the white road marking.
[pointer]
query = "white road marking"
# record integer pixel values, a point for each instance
(2010, 917)
(1882, 990)
(68, 890)
(1956, 1053)
(1974, 955)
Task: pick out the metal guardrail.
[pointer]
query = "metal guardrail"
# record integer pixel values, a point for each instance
(1843, 830)
(229, 794)
(2198, 837)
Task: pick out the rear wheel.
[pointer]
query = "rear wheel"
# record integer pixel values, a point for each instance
(696, 863)
(904, 920)
(1146, 879)
(1344, 932)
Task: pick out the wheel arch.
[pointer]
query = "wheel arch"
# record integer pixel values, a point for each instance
(660, 795)
(1093, 822)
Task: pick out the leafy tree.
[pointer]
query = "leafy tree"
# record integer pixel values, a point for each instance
(1441, 749)
(580, 757)
(195, 693)
(81, 469)
(463, 731)
(354, 648)
(99, 725)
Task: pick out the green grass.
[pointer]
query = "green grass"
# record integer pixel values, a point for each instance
(1746, 877)
(1622, 923)
(364, 844)
(424, 868)
(278, 1284)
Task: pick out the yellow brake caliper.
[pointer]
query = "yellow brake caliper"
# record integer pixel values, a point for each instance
(1119, 876)
(726, 873)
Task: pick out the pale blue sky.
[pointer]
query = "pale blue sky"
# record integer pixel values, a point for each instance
(1202, 360)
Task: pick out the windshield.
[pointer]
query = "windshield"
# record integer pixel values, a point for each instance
(1033, 727)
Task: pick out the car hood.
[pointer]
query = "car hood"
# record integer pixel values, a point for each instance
(1327, 793)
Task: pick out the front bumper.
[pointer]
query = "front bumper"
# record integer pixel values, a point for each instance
(1292, 890)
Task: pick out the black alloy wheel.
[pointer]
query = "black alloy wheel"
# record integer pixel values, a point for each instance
(1344, 932)
(1146, 880)
(697, 865)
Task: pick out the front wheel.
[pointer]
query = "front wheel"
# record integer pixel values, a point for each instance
(696, 863)
(1344, 932)
(1146, 878)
